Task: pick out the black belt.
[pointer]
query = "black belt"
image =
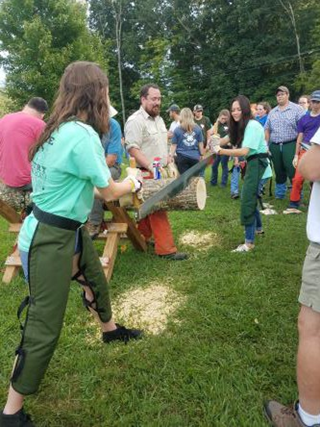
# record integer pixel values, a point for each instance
(56, 220)
(258, 156)
(283, 142)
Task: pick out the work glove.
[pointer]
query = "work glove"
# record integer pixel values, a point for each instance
(295, 161)
(172, 170)
(214, 141)
(136, 183)
(216, 149)
(134, 172)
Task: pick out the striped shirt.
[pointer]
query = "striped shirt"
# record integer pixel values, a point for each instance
(282, 124)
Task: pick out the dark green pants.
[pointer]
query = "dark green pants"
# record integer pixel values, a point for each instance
(50, 272)
(249, 197)
(282, 156)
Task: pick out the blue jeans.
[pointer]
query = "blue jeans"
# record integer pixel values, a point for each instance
(251, 229)
(225, 171)
(235, 177)
(280, 191)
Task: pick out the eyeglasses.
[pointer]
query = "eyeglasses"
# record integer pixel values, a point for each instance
(314, 101)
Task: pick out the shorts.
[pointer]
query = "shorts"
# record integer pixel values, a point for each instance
(310, 288)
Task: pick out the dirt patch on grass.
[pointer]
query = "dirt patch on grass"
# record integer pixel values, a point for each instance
(148, 308)
(200, 241)
(143, 308)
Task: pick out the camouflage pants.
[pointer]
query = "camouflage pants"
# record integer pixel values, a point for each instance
(16, 198)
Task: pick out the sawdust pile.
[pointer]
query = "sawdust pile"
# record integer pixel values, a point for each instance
(147, 308)
(200, 241)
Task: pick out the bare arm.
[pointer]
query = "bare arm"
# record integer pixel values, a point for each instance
(309, 164)
(267, 135)
(208, 136)
(140, 158)
(170, 134)
(115, 190)
(173, 149)
(224, 141)
(236, 152)
(201, 149)
(111, 159)
(298, 144)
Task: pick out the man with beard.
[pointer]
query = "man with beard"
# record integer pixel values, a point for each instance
(146, 139)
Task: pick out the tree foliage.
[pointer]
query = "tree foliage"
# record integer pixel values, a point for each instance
(208, 51)
(39, 39)
(198, 51)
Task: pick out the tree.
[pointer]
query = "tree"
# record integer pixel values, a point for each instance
(40, 38)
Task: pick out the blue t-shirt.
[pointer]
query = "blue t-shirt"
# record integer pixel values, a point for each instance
(308, 125)
(262, 120)
(111, 141)
(188, 142)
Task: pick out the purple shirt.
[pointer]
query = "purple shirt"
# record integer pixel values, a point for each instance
(308, 125)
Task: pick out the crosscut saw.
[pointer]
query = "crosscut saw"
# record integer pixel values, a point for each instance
(174, 188)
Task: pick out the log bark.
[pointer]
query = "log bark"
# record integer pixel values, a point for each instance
(192, 197)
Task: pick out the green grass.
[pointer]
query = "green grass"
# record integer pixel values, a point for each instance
(233, 346)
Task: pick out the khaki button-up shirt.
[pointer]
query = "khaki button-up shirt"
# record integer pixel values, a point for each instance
(148, 134)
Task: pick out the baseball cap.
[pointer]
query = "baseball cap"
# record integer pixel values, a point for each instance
(198, 107)
(173, 107)
(283, 89)
(315, 96)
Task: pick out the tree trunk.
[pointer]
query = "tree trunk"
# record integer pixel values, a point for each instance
(193, 197)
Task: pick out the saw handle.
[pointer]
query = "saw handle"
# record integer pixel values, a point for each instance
(135, 200)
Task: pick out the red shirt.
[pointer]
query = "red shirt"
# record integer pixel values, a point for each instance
(18, 131)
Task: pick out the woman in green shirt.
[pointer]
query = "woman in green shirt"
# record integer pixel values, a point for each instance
(247, 137)
(68, 162)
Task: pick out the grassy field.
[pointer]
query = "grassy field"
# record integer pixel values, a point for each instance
(225, 339)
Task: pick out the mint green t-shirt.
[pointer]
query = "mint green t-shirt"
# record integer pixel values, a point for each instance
(254, 139)
(64, 172)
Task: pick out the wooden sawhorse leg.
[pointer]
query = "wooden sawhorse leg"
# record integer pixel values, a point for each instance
(112, 238)
(122, 216)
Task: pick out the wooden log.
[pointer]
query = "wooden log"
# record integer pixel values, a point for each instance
(192, 197)
(9, 213)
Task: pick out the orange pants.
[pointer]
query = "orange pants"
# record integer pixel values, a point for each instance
(297, 182)
(157, 224)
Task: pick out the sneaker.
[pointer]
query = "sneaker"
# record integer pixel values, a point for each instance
(291, 211)
(260, 232)
(176, 256)
(19, 419)
(93, 229)
(283, 416)
(121, 334)
(235, 196)
(243, 248)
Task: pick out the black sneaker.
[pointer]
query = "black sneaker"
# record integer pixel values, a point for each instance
(19, 419)
(176, 256)
(121, 334)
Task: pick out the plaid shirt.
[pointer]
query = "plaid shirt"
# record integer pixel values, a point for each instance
(282, 124)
